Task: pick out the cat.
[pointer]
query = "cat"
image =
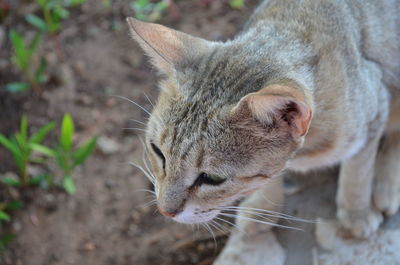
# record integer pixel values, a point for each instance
(306, 84)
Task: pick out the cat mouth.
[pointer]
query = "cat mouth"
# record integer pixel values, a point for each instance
(196, 217)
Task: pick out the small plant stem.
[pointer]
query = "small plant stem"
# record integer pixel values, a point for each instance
(36, 87)
(24, 176)
(57, 46)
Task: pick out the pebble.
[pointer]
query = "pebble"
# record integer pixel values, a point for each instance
(107, 145)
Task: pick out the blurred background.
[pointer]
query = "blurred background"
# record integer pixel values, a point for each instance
(66, 194)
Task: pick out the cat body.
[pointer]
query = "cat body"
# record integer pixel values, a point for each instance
(305, 85)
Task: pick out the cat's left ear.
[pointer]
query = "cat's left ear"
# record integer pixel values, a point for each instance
(278, 103)
(166, 47)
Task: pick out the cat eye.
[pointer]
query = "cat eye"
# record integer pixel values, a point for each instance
(159, 153)
(208, 179)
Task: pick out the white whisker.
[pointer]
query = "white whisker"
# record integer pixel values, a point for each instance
(133, 102)
(136, 129)
(230, 223)
(145, 190)
(151, 103)
(140, 122)
(266, 212)
(213, 223)
(212, 233)
(144, 171)
(260, 221)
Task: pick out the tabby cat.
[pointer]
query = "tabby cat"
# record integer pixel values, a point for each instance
(306, 84)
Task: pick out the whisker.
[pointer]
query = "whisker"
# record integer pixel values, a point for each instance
(145, 190)
(151, 103)
(260, 221)
(150, 203)
(140, 122)
(136, 129)
(144, 171)
(213, 223)
(212, 233)
(133, 102)
(267, 212)
(230, 223)
(265, 216)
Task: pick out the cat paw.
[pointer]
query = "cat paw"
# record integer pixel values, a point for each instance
(259, 249)
(387, 197)
(362, 223)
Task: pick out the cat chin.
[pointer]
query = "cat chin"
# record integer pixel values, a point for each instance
(195, 216)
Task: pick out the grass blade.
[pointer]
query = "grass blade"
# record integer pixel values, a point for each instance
(67, 132)
(39, 136)
(82, 153)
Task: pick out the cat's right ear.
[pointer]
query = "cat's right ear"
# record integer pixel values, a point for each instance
(283, 104)
(167, 48)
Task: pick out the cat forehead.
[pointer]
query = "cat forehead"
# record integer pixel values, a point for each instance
(224, 76)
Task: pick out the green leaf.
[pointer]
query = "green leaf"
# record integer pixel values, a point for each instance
(21, 51)
(39, 136)
(67, 132)
(17, 87)
(36, 22)
(34, 45)
(62, 160)
(82, 153)
(12, 147)
(42, 3)
(42, 149)
(236, 3)
(4, 216)
(14, 205)
(61, 12)
(68, 184)
(5, 240)
(39, 76)
(40, 180)
(11, 182)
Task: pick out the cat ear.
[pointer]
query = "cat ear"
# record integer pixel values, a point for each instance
(279, 103)
(166, 47)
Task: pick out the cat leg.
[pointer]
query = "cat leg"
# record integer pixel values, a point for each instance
(354, 193)
(387, 169)
(254, 243)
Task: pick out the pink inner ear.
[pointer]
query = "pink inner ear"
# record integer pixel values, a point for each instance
(267, 107)
(303, 121)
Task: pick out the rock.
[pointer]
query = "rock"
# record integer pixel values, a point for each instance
(107, 145)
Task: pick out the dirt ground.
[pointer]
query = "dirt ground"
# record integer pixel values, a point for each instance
(109, 220)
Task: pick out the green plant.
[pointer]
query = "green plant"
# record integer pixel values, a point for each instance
(21, 146)
(25, 58)
(67, 157)
(237, 4)
(148, 11)
(5, 207)
(54, 11)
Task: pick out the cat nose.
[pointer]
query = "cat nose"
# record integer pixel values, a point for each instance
(168, 213)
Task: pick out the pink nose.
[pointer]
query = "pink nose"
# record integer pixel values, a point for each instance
(168, 214)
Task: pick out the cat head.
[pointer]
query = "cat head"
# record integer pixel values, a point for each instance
(223, 124)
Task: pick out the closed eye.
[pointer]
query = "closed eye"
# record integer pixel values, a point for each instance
(159, 153)
(208, 179)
